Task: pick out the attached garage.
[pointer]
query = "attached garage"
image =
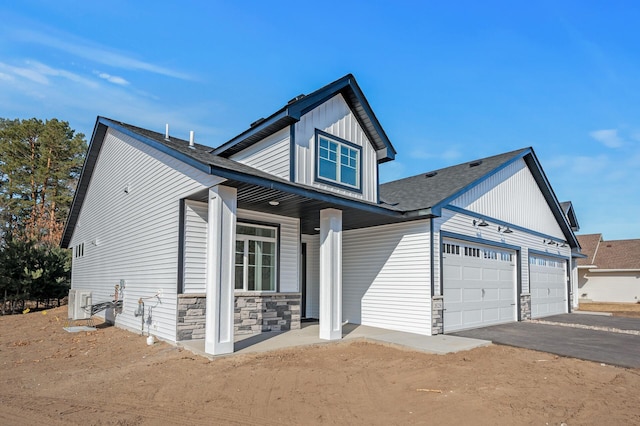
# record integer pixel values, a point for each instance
(548, 281)
(479, 285)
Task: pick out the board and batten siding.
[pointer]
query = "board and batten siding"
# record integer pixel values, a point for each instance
(195, 247)
(271, 155)
(385, 277)
(334, 117)
(462, 224)
(134, 236)
(289, 245)
(512, 195)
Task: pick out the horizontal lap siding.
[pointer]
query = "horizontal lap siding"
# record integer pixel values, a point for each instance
(195, 247)
(289, 245)
(136, 233)
(385, 275)
(335, 118)
(271, 155)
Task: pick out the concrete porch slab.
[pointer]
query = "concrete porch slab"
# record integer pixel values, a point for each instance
(308, 335)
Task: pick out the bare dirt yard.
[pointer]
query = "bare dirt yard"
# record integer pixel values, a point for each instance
(617, 309)
(111, 377)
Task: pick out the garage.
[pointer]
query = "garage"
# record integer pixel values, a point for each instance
(479, 285)
(548, 281)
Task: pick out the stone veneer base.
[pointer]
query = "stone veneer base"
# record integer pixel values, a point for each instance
(254, 313)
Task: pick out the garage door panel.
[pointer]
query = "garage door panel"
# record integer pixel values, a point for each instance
(453, 271)
(548, 286)
(472, 295)
(490, 274)
(472, 273)
(487, 286)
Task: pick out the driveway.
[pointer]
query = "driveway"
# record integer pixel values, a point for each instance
(567, 335)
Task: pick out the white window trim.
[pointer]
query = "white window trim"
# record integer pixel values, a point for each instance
(245, 263)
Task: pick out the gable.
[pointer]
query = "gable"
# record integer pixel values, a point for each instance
(513, 196)
(335, 118)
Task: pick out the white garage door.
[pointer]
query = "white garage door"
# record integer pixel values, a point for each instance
(479, 285)
(548, 280)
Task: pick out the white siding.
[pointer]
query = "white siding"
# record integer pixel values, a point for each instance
(385, 277)
(312, 293)
(195, 247)
(270, 155)
(289, 245)
(462, 224)
(136, 233)
(334, 117)
(512, 195)
(609, 286)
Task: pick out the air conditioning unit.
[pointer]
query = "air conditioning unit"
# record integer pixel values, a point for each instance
(79, 304)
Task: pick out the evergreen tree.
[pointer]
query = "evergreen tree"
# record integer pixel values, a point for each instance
(40, 163)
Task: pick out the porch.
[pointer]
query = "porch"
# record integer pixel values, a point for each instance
(308, 335)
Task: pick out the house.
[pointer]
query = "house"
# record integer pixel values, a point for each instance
(288, 220)
(610, 272)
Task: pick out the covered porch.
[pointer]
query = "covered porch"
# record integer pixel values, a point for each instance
(305, 214)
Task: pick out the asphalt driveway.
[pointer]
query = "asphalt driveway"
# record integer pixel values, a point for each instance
(593, 345)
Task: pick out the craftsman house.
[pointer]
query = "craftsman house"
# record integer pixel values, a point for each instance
(288, 220)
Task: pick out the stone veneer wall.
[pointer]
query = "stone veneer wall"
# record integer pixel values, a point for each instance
(254, 313)
(525, 306)
(437, 312)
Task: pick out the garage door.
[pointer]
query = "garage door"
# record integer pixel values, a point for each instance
(548, 280)
(479, 285)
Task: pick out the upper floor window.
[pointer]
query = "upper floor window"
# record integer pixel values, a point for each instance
(338, 161)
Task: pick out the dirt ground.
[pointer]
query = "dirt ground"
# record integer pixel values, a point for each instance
(111, 377)
(617, 309)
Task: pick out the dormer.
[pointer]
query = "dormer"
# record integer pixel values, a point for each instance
(329, 139)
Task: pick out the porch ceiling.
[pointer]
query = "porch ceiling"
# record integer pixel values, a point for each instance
(257, 198)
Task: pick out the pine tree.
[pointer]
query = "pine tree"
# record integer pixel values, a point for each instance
(40, 163)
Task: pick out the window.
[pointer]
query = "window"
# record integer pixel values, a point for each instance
(338, 161)
(78, 251)
(256, 257)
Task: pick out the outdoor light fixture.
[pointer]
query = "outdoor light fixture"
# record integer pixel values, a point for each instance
(504, 230)
(480, 222)
(274, 203)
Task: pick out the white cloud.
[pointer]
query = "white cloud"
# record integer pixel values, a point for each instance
(608, 137)
(112, 78)
(95, 52)
(40, 73)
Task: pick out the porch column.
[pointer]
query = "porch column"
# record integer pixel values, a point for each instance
(331, 274)
(221, 235)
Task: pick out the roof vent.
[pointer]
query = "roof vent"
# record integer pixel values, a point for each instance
(297, 98)
(430, 174)
(258, 121)
(191, 144)
(475, 163)
(166, 132)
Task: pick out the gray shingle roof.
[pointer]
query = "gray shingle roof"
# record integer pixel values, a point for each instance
(427, 190)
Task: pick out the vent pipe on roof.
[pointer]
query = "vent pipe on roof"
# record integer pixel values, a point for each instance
(166, 132)
(191, 145)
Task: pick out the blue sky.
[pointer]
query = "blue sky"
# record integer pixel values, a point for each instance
(449, 81)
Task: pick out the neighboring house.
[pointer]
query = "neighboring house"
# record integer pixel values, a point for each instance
(287, 221)
(611, 270)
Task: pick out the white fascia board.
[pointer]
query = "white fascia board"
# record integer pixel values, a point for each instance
(615, 270)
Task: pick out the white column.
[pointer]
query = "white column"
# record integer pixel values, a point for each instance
(221, 235)
(331, 274)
